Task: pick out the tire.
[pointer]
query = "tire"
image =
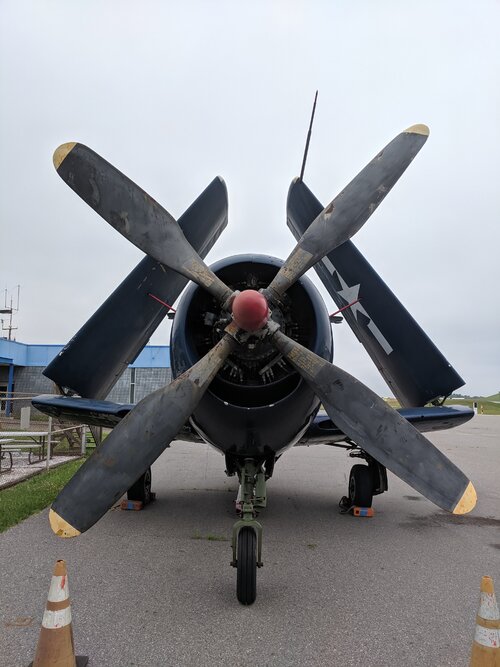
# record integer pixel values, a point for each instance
(246, 578)
(360, 486)
(141, 490)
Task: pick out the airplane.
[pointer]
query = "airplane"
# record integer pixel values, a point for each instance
(251, 354)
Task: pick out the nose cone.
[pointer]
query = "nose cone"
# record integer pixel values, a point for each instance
(250, 310)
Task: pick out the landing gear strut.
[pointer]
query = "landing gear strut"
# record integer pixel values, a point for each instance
(247, 532)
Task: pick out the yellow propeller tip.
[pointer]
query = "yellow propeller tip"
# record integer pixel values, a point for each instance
(468, 500)
(61, 527)
(61, 152)
(418, 129)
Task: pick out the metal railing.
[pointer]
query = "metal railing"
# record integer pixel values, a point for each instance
(50, 433)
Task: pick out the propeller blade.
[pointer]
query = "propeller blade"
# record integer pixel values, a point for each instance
(133, 213)
(133, 445)
(379, 430)
(349, 211)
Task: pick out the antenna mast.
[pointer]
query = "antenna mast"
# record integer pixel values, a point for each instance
(9, 310)
(308, 138)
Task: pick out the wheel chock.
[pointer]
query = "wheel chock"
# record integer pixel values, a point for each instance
(131, 505)
(345, 507)
(363, 511)
(135, 505)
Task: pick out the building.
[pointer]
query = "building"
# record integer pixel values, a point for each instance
(21, 367)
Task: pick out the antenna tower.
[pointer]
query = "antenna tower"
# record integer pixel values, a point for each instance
(9, 309)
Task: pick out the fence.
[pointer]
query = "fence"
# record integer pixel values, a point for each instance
(55, 430)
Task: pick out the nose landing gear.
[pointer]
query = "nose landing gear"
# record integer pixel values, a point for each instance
(247, 532)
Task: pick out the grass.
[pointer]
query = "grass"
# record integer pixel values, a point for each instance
(33, 495)
(489, 408)
(210, 537)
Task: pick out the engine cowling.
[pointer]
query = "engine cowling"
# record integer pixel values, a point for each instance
(257, 405)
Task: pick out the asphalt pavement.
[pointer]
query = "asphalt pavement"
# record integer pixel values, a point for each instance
(150, 589)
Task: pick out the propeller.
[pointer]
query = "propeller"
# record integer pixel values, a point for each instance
(156, 420)
(141, 220)
(379, 430)
(133, 213)
(134, 444)
(349, 211)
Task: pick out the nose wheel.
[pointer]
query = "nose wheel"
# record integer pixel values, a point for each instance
(246, 567)
(247, 532)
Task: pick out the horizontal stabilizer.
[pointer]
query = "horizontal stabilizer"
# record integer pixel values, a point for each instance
(94, 359)
(408, 360)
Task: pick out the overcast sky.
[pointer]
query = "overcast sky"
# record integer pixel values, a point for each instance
(174, 93)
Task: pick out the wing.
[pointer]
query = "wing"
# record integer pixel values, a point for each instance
(408, 360)
(323, 431)
(94, 359)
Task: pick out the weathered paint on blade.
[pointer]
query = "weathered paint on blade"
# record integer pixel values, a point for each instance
(118, 462)
(467, 502)
(61, 153)
(418, 129)
(95, 357)
(134, 214)
(61, 527)
(379, 430)
(349, 211)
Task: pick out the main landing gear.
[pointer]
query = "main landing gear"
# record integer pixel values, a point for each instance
(247, 532)
(141, 489)
(365, 481)
(360, 486)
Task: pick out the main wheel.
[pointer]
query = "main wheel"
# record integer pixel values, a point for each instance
(141, 490)
(246, 579)
(360, 486)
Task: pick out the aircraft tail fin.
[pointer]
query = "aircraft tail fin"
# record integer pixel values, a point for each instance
(410, 363)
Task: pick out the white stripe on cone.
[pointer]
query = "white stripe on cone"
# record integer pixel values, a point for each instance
(52, 620)
(59, 590)
(488, 608)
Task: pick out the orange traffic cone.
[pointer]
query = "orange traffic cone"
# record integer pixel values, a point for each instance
(486, 645)
(55, 645)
